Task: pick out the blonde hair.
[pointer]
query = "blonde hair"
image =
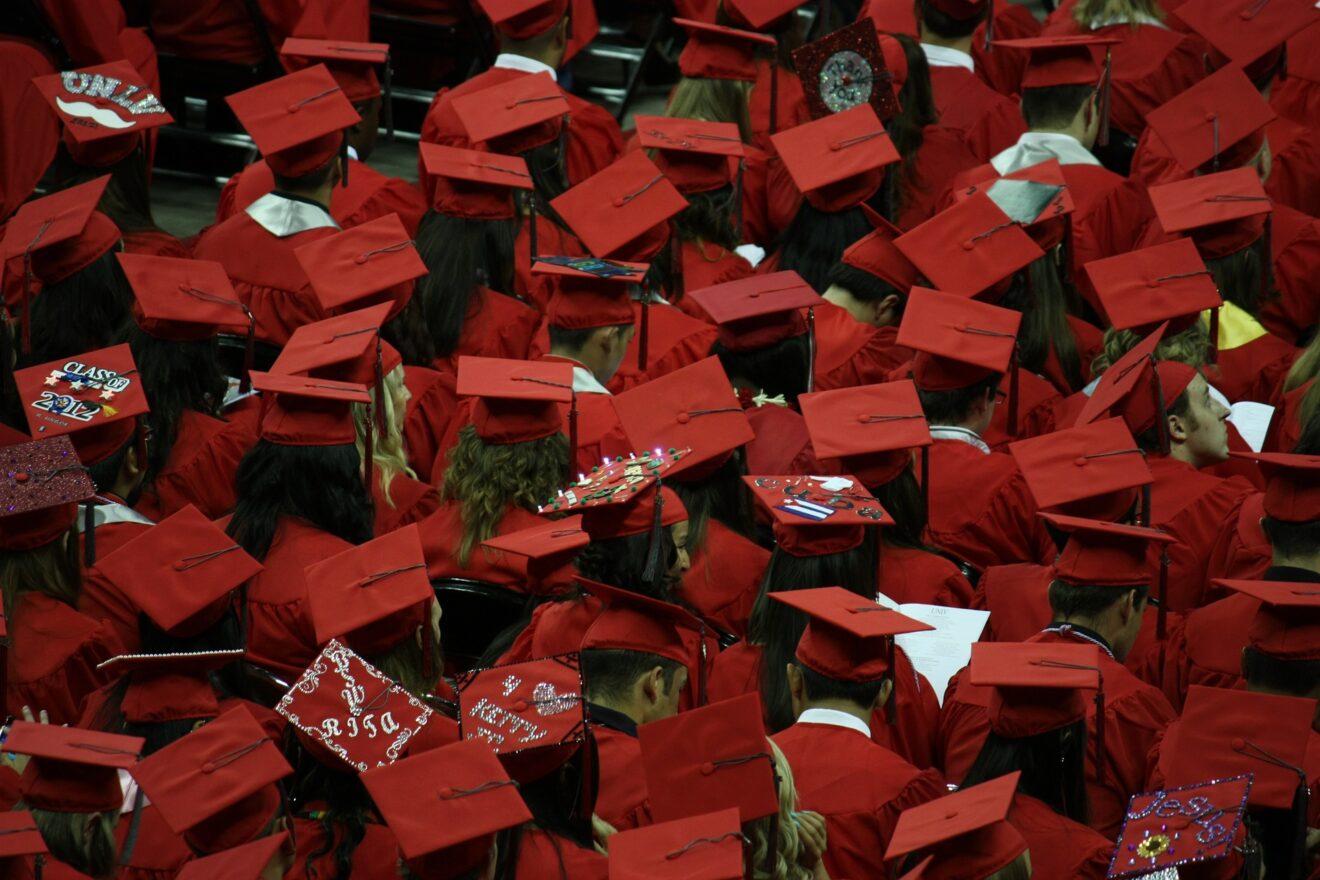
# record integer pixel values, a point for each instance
(1303, 370)
(788, 844)
(1131, 11)
(713, 100)
(1190, 346)
(387, 454)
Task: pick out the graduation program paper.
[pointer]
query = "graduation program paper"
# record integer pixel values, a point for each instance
(941, 652)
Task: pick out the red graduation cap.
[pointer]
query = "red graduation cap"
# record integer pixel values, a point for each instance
(532, 714)
(1247, 31)
(959, 341)
(345, 707)
(970, 247)
(968, 831)
(1221, 734)
(696, 156)
(352, 63)
(447, 804)
(1092, 470)
(712, 758)
(589, 292)
(372, 596)
(104, 108)
(72, 770)
(816, 516)
(1103, 554)
(171, 686)
(1292, 491)
(1122, 377)
(758, 311)
(708, 846)
(308, 411)
(181, 572)
(547, 547)
(876, 255)
(350, 267)
(524, 19)
(1037, 197)
(94, 397)
(518, 401)
(847, 638)
(19, 836)
(1067, 60)
(1037, 688)
(1142, 288)
(246, 862)
(717, 52)
(871, 429)
(637, 623)
(41, 483)
(474, 183)
(342, 348)
(838, 161)
(1287, 624)
(297, 121)
(57, 236)
(694, 407)
(1218, 122)
(960, 10)
(621, 210)
(514, 116)
(847, 68)
(1223, 213)
(1151, 841)
(758, 14)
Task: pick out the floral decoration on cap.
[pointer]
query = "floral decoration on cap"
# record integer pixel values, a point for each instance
(1178, 826)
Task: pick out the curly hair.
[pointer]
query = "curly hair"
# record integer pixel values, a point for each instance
(788, 844)
(486, 478)
(1190, 346)
(1087, 11)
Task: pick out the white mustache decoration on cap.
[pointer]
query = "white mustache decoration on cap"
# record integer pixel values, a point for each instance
(99, 115)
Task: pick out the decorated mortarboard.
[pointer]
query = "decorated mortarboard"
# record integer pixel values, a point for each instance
(876, 255)
(524, 19)
(1287, 624)
(708, 847)
(474, 184)
(837, 162)
(248, 861)
(515, 115)
(72, 770)
(871, 429)
(960, 341)
(447, 802)
(1180, 826)
(1219, 121)
(1037, 687)
(345, 707)
(171, 686)
(696, 156)
(204, 774)
(847, 637)
(1038, 198)
(758, 14)
(844, 69)
(1142, 288)
(967, 831)
(712, 758)
(347, 268)
(972, 246)
(94, 397)
(815, 516)
(621, 210)
(41, 483)
(693, 407)
(1091, 470)
(758, 311)
(372, 596)
(518, 401)
(1105, 554)
(532, 714)
(1292, 488)
(180, 572)
(717, 52)
(104, 109)
(1246, 31)
(297, 121)
(19, 835)
(1220, 734)
(1222, 213)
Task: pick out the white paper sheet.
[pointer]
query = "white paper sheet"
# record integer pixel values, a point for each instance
(1252, 421)
(939, 653)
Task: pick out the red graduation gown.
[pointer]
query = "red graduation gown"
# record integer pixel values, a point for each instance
(204, 462)
(593, 139)
(1286, 427)
(543, 856)
(782, 444)
(376, 856)
(1242, 551)
(1297, 97)
(1134, 713)
(280, 635)
(988, 121)
(442, 530)
(980, 508)
(53, 654)
(914, 574)
(100, 599)
(1253, 370)
(673, 340)
(724, 578)
(1038, 401)
(790, 105)
(1205, 648)
(265, 273)
(159, 853)
(155, 243)
(412, 501)
(1061, 849)
(706, 265)
(621, 798)
(943, 154)
(428, 419)
(368, 196)
(497, 326)
(850, 353)
(219, 30)
(29, 132)
(858, 787)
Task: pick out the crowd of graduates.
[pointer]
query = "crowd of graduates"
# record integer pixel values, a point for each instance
(588, 508)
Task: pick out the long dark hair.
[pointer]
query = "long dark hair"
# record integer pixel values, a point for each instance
(721, 496)
(409, 334)
(1039, 294)
(461, 256)
(814, 242)
(777, 627)
(321, 485)
(908, 129)
(776, 369)
(84, 312)
(127, 197)
(557, 806)
(1053, 766)
(176, 376)
(902, 497)
(343, 808)
(621, 562)
(54, 569)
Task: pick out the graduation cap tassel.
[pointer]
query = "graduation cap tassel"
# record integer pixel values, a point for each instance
(677, 289)
(1102, 137)
(388, 109)
(1013, 395)
(1100, 731)
(369, 450)
(89, 534)
(1161, 412)
(774, 90)
(1145, 506)
(645, 329)
(130, 840)
(925, 478)
(891, 705)
(652, 573)
(249, 354)
(380, 387)
(990, 30)
(428, 643)
(531, 230)
(343, 162)
(811, 349)
(38, 867)
(1212, 355)
(572, 433)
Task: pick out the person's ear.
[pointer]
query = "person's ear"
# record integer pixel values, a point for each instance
(131, 465)
(653, 685)
(885, 311)
(886, 691)
(796, 689)
(1177, 429)
(562, 33)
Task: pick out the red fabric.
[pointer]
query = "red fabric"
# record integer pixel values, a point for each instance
(159, 853)
(1059, 846)
(280, 634)
(1003, 71)
(550, 239)
(911, 574)
(29, 132)
(368, 196)
(593, 139)
(429, 413)
(266, 275)
(850, 353)
(790, 108)
(990, 122)
(1038, 400)
(674, 340)
(1295, 243)
(1089, 341)
(53, 653)
(1134, 713)
(706, 265)
(944, 153)
(858, 787)
(100, 599)
(376, 857)
(412, 500)
(442, 530)
(757, 228)
(782, 444)
(980, 508)
(203, 463)
(542, 856)
(219, 30)
(621, 797)
(1286, 427)
(724, 578)
(496, 326)
(1205, 648)
(1254, 370)
(1298, 97)
(155, 243)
